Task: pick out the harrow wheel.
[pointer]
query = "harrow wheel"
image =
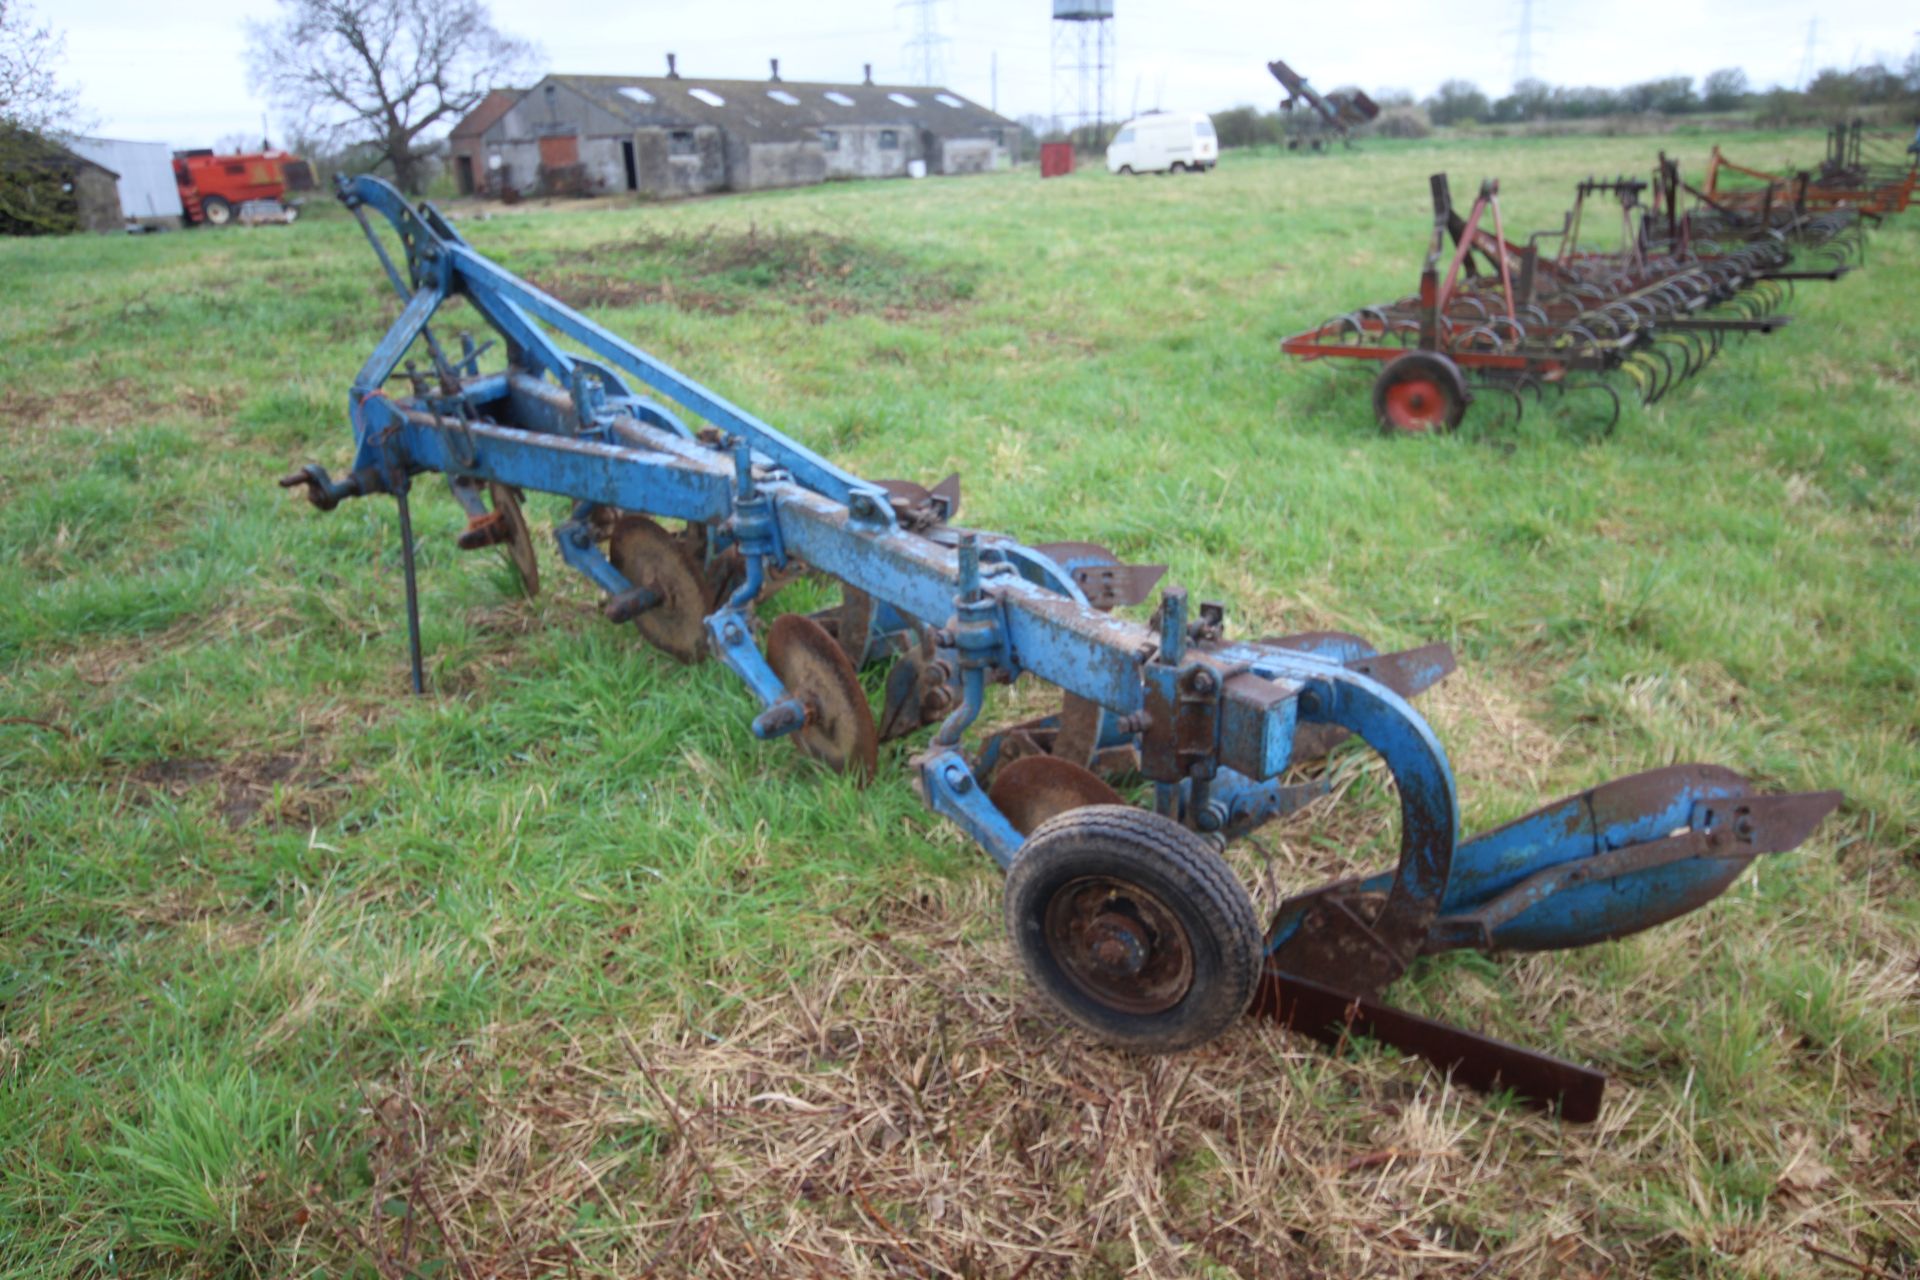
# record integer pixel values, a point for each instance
(839, 732)
(1134, 927)
(519, 543)
(648, 556)
(1418, 392)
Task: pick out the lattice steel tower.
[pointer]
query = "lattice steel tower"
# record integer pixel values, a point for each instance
(926, 48)
(1083, 65)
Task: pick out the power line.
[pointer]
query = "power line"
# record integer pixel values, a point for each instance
(1523, 44)
(1813, 42)
(926, 47)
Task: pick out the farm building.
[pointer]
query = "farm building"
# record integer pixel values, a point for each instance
(464, 144)
(149, 196)
(669, 135)
(45, 188)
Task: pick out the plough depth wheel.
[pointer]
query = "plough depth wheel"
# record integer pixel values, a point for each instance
(1134, 927)
(1420, 391)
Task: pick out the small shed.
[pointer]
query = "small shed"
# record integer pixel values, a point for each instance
(464, 143)
(149, 196)
(47, 189)
(672, 135)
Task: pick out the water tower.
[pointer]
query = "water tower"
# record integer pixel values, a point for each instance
(1083, 66)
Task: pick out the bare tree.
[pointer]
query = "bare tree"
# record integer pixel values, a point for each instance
(31, 96)
(36, 195)
(383, 72)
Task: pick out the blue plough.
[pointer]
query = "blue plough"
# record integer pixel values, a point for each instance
(1126, 917)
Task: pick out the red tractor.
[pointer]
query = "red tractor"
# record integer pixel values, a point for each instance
(219, 189)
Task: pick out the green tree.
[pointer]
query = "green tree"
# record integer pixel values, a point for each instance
(1242, 126)
(1458, 102)
(1724, 90)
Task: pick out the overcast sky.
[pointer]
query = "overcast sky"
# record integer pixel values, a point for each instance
(174, 70)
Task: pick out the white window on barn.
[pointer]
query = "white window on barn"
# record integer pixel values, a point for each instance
(902, 99)
(948, 100)
(829, 140)
(636, 93)
(680, 143)
(837, 98)
(783, 97)
(889, 140)
(709, 97)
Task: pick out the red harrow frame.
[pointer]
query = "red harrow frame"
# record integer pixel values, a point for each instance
(1517, 319)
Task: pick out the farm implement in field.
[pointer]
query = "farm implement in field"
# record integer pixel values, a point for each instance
(1333, 115)
(1682, 219)
(1552, 315)
(688, 511)
(1862, 174)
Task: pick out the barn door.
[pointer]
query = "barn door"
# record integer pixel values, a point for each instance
(559, 152)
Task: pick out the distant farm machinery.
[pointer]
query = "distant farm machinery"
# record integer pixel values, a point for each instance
(1125, 915)
(1554, 315)
(1333, 115)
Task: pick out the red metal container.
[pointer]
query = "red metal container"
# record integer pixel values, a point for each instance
(1056, 159)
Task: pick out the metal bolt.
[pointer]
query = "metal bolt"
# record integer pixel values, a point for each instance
(958, 778)
(1202, 681)
(731, 633)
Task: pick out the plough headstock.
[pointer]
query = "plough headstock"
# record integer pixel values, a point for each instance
(688, 512)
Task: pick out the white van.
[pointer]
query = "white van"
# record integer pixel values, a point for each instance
(1164, 142)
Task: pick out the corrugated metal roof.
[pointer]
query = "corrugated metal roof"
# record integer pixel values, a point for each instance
(477, 121)
(145, 171)
(773, 110)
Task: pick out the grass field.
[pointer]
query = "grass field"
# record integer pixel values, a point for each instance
(556, 971)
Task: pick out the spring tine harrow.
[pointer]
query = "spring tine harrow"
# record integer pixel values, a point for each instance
(1493, 312)
(686, 512)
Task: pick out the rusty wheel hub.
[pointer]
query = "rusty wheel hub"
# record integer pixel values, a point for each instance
(1119, 944)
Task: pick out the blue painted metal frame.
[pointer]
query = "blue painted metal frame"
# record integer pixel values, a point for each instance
(1216, 722)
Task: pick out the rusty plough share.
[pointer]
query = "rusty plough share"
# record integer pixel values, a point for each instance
(1126, 916)
(1554, 314)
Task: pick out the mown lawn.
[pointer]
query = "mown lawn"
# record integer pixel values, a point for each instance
(555, 968)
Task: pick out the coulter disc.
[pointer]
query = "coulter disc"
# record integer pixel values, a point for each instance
(839, 732)
(519, 543)
(651, 557)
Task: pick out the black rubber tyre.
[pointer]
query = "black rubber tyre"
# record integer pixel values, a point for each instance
(1126, 171)
(217, 210)
(1134, 927)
